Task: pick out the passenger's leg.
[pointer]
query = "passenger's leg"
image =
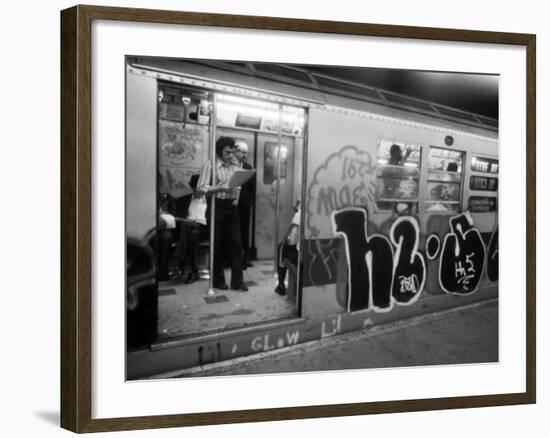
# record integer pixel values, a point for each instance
(235, 248)
(244, 217)
(164, 241)
(218, 277)
(192, 252)
(183, 243)
(281, 269)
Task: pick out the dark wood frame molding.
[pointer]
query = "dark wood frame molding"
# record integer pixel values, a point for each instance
(76, 173)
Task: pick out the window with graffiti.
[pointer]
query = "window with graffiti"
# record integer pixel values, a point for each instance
(397, 176)
(445, 170)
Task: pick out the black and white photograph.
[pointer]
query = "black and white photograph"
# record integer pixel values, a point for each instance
(275, 219)
(285, 218)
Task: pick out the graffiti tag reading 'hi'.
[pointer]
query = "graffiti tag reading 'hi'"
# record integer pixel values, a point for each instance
(378, 276)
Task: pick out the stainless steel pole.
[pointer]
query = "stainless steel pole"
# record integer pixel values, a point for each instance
(211, 290)
(303, 173)
(277, 188)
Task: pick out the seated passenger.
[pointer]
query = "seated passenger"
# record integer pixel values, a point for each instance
(192, 228)
(396, 155)
(452, 167)
(439, 193)
(166, 227)
(288, 251)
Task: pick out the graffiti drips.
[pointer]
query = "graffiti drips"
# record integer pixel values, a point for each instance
(462, 257)
(377, 277)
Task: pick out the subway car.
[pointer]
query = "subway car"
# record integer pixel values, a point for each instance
(389, 200)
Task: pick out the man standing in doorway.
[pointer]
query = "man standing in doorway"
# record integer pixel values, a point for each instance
(227, 228)
(246, 201)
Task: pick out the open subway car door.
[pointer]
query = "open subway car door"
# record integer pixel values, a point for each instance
(274, 138)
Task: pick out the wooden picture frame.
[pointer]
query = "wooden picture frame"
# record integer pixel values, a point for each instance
(76, 217)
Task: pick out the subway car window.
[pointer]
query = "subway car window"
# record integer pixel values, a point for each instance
(485, 180)
(397, 176)
(272, 168)
(483, 183)
(484, 165)
(445, 168)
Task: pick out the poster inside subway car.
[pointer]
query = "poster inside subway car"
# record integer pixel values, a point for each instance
(294, 218)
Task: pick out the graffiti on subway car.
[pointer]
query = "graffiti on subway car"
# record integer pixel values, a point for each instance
(462, 256)
(381, 270)
(387, 270)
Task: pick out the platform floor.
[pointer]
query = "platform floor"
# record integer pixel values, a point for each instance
(186, 310)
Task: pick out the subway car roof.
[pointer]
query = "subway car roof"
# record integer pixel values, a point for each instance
(319, 88)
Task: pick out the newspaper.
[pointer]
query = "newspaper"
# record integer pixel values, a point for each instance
(240, 176)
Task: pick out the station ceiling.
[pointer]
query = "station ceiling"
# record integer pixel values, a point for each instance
(471, 92)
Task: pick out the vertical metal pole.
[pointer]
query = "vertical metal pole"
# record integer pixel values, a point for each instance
(213, 109)
(303, 206)
(277, 191)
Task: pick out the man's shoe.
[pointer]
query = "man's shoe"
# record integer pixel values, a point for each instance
(280, 289)
(192, 277)
(222, 286)
(241, 287)
(248, 264)
(175, 274)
